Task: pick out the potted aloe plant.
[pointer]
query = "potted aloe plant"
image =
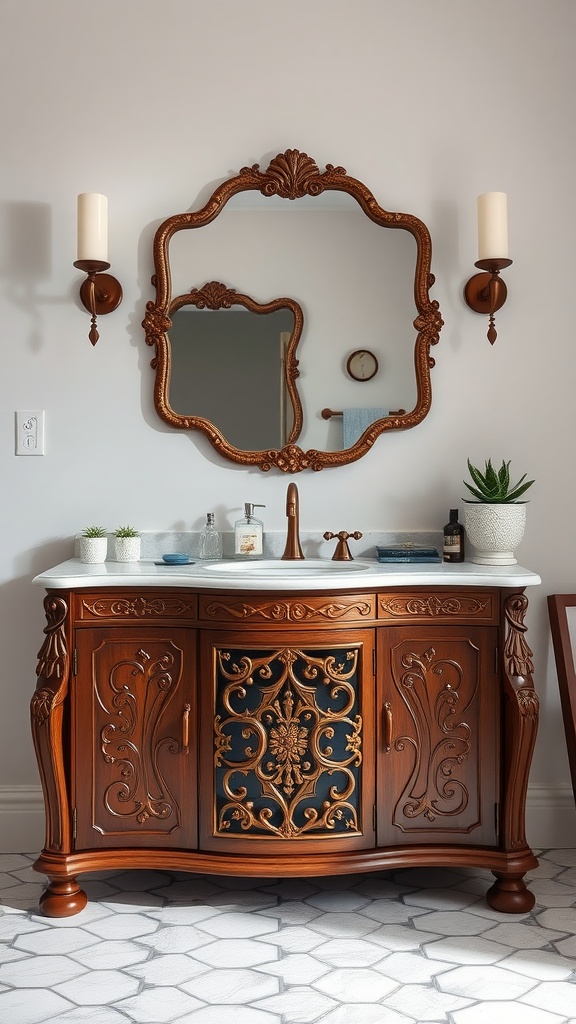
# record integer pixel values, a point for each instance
(495, 519)
(127, 544)
(93, 544)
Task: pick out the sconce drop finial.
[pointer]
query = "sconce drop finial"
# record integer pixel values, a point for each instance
(486, 293)
(100, 293)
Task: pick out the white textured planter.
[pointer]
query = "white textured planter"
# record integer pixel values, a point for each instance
(127, 549)
(494, 531)
(93, 549)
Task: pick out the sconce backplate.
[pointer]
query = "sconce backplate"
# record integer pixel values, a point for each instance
(477, 293)
(102, 295)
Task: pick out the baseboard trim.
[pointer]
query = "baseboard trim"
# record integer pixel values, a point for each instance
(21, 819)
(550, 818)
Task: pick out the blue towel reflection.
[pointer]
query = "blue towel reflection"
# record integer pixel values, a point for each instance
(355, 421)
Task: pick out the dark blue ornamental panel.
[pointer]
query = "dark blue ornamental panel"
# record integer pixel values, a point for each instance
(288, 742)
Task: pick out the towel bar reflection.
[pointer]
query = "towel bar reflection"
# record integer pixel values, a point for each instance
(327, 414)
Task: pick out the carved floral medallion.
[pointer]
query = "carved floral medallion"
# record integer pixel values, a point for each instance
(288, 743)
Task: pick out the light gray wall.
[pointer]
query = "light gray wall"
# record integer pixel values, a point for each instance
(152, 104)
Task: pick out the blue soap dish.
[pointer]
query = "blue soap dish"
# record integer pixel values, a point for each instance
(176, 559)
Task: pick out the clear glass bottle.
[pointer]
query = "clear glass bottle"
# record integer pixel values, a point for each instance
(453, 539)
(210, 539)
(249, 533)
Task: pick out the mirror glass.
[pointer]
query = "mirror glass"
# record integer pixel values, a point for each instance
(228, 367)
(357, 285)
(354, 282)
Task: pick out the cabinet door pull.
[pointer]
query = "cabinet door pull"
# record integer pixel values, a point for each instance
(186, 729)
(387, 726)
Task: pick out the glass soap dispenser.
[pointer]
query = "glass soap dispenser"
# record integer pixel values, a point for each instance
(210, 540)
(249, 533)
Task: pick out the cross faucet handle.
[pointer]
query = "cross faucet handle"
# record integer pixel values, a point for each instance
(342, 552)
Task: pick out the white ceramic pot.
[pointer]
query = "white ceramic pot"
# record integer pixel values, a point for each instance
(494, 531)
(93, 549)
(127, 549)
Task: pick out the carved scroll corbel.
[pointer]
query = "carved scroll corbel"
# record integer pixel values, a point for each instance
(517, 654)
(52, 668)
(46, 708)
(521, 720)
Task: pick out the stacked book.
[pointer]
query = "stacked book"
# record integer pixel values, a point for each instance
(408, 553)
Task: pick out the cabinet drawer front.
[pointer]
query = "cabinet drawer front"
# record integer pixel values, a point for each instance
(285, 610)
(441, 605)
(134, 605)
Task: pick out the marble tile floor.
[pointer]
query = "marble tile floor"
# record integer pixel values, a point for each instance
(404, 947)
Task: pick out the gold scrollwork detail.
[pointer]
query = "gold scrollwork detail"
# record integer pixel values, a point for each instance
(288, 744)
(433, 606)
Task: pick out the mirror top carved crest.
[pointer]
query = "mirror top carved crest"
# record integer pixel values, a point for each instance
(180, 328)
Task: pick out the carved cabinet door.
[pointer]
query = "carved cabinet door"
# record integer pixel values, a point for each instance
(287, 742)
(134, 746)
(439, 735)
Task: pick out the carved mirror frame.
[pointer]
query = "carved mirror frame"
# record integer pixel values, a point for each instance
(291, 175)
(214, 295)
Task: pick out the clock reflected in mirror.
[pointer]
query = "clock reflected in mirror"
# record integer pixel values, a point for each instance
(362, 365)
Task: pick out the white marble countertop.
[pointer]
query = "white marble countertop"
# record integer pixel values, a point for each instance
(274, 575)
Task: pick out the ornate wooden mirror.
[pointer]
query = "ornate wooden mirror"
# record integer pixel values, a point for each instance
(350, 285)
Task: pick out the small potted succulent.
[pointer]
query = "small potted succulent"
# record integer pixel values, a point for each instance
(127, 544)
(494, 518)
(93, 544)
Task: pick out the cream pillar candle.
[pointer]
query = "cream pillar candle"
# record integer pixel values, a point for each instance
(493, 226)
(92, 227)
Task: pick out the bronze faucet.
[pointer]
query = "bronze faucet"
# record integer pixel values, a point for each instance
(292, 551)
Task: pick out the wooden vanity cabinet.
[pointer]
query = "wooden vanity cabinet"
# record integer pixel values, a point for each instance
(278, 734)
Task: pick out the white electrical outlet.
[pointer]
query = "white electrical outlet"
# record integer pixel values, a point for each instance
(30, 432)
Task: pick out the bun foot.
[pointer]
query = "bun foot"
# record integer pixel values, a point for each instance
(509, 895)
(63, 899)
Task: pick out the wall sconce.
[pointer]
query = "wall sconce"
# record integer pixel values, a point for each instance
(486, 292)
(100, 293)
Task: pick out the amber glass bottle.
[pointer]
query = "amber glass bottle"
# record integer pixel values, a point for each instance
(453, 539)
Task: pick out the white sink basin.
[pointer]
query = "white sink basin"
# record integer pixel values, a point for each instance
(272, 567)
